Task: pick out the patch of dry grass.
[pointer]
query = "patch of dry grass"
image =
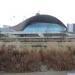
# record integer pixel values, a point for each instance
(16, 57)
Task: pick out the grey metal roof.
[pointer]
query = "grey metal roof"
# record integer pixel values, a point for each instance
(37, 18)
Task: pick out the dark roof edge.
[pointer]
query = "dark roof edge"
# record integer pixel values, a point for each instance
(37, 18)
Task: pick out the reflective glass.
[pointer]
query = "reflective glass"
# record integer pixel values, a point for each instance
(44, 27)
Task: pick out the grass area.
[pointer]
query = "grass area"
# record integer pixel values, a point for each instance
(23, 57)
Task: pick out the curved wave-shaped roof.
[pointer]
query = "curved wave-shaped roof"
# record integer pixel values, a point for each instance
(37, 18)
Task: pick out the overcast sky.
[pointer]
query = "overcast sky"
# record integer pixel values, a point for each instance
(13, 12)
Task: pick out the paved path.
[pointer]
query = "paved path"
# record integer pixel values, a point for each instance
(40, 73)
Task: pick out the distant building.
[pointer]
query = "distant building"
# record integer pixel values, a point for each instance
(6, 28)
(42, 24)
(38, 26)
(71, 27)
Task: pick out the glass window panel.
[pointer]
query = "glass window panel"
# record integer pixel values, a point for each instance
(44, 27)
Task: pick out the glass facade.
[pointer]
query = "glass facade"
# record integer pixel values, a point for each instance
(44, 27)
